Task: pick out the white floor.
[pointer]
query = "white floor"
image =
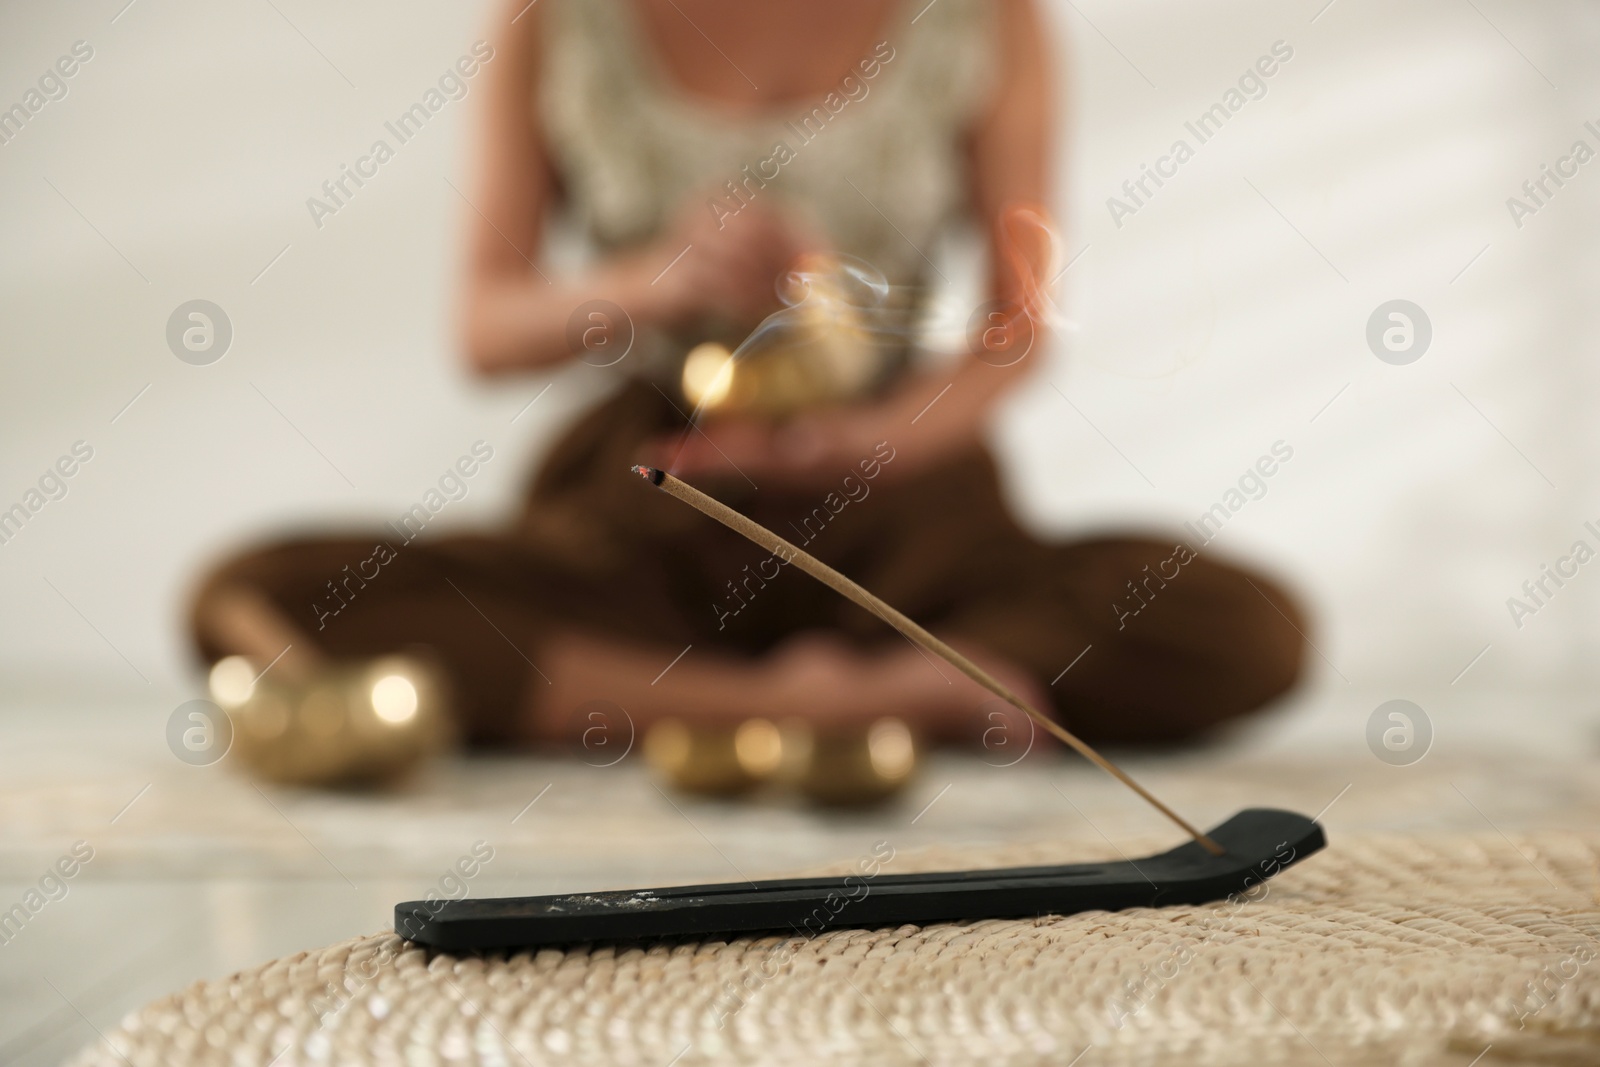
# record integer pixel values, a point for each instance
(202, 874)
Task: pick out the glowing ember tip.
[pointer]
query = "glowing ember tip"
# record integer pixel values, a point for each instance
(649, 474)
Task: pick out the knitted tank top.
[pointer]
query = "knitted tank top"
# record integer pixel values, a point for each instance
(877, 163)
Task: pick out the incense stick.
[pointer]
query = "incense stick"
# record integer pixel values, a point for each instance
(857, 594)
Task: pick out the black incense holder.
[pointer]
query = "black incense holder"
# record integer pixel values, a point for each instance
(1257, 843)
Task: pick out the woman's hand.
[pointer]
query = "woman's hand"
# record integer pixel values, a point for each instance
(705, 268)
(928, 418)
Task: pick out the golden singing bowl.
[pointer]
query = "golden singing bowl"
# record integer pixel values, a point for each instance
(818, 351)
(714, 759)
(854, 765)
(370, 721)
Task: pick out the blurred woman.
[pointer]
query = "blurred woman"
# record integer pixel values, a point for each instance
(704, 147)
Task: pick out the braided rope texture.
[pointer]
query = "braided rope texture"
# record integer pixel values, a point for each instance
(1380, 950)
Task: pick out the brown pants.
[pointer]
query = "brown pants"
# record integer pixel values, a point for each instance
(1176, 641)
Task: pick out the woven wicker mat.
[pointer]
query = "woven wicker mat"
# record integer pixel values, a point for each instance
(1377, 951)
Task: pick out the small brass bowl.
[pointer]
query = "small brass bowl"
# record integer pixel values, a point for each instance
(714, 759)
(841, 766)
(365, 722)
(855, 765)
(827, 347)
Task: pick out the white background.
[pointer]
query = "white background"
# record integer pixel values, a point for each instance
(1222, 317)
